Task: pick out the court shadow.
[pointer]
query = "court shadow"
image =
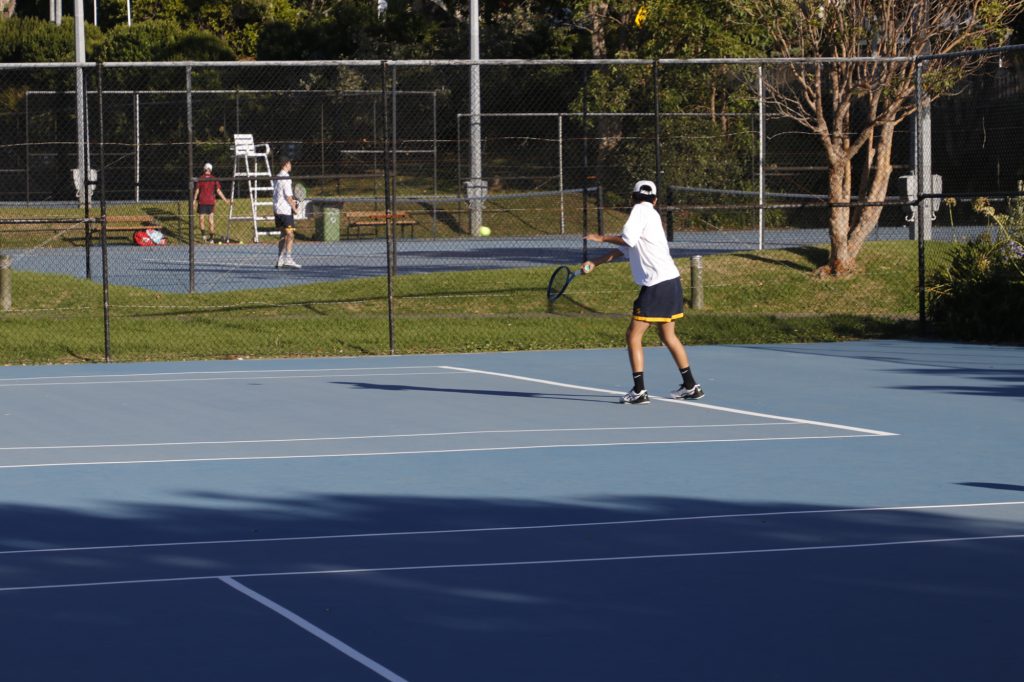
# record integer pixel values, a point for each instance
(505, 394)
(593, 588)
(994, 486)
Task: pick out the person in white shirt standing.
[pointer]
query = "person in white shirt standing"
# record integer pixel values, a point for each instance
(660, 301)
(285, 207)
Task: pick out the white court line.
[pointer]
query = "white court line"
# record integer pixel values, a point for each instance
(313, 630)
(377, 436)
(502, 529)
(233, 378)
(688, 403)
(220, 371)
(188, 460)
(535, 562)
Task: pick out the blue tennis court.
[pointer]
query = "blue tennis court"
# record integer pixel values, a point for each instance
(845, 511)
(251, 266)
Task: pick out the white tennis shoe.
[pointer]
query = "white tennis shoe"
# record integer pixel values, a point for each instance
(683, 393)
(635, 398)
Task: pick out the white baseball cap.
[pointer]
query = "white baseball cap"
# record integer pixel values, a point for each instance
(208, 166)
(645, 188)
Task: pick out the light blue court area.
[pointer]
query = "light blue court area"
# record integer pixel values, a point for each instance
(846, 511)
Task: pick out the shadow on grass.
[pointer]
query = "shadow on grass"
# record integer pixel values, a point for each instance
(815, 256)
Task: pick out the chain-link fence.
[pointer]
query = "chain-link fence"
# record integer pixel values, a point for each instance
(434, 210)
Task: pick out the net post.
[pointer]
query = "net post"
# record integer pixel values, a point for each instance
(5, 283)
(696, 283)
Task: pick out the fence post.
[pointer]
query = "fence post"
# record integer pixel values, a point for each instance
(670, 219)
(696, 283)
(922, 319)
(5, 283)
(659, 176)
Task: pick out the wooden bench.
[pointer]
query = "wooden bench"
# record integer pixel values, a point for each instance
(356, 220)
(115, 223)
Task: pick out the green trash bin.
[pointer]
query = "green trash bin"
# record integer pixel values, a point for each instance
(328, 225)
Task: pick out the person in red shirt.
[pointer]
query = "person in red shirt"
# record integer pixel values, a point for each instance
(205, 200)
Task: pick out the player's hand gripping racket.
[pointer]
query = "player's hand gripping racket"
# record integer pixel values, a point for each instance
(561, 278)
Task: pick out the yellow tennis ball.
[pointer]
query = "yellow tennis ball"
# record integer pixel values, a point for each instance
(485, 231)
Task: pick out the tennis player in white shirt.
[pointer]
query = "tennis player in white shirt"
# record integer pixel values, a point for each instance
(660, 301)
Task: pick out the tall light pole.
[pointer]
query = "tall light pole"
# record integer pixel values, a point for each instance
(83, 174)
(476, 188)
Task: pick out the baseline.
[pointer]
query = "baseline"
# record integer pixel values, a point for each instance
(687, 403)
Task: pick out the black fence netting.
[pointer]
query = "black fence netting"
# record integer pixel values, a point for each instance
(137, 204)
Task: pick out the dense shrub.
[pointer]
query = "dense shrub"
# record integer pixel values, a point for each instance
(32, 40)
(160, 41)
(979, 295)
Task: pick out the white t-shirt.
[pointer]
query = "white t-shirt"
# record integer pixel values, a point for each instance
(282, 190)
(646, 246)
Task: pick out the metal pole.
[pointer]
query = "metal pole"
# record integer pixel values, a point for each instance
(103, 219)
(924, 207)
(5, 283)
(392, 207)
(919, 213)
(586, 170)
(761, 147)
(433, 209)
(28, 154)
(696, 283)
(387, 203)
(129, 3)
(191, 165)
(80, 98)
(561, 181)
(476, 189)
(138, 146)
(657, 135)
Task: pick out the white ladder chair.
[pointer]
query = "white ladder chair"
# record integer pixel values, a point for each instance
(252, 162)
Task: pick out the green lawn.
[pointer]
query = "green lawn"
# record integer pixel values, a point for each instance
(751, 297)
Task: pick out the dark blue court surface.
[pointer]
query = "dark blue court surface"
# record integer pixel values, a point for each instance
(830, 512)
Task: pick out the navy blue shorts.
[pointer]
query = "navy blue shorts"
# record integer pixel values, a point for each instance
(205, 209)
(284, 221)
(661, 302)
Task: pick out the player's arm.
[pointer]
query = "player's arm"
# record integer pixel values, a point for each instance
(606, 239)
(608, 256)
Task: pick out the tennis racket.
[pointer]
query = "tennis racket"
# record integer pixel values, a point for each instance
(300, 197)
(561, 278)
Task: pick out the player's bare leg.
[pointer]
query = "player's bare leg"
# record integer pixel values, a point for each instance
(690, 389)
(635, 346)
(667, 332)
(635, 343)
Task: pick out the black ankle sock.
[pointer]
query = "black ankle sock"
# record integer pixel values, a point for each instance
(638, 381)
(688, 381)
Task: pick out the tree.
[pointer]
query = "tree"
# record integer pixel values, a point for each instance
(854, 107)
(700, 149)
